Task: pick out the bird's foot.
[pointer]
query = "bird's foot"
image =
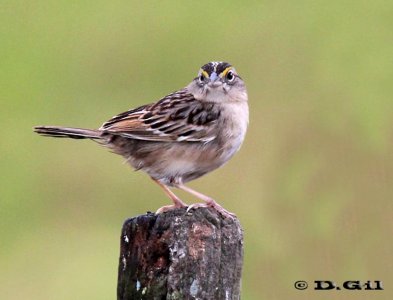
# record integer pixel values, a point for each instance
(177, 203)
(170, 207)
(215, 205)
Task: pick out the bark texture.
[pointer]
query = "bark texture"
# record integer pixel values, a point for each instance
(180, 255)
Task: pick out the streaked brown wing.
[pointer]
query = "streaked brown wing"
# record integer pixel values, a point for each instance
(176, 117)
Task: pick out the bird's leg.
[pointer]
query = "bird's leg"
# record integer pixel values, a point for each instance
(177, 203)
(209, 201)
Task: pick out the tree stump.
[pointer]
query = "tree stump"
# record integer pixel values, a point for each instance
(180, 255)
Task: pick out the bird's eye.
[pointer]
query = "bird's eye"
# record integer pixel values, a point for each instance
(230, 76)
(201, 79)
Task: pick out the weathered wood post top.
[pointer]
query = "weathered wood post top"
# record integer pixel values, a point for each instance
(180, 255)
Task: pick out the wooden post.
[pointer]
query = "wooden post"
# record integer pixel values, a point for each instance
(180, 255)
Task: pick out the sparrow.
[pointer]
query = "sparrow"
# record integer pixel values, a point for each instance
(182, 136)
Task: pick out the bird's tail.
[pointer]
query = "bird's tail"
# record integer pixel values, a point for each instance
(67, 132)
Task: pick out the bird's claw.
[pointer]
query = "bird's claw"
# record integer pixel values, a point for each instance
(169, 208)
(215, 205)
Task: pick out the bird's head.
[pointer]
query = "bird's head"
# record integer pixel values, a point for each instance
(216, 80)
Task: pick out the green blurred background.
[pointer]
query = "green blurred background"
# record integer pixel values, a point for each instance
(312, 184)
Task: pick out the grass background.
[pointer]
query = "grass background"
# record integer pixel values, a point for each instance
(312, 184)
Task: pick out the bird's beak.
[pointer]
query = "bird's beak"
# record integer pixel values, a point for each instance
(213, 77)
(214, 80)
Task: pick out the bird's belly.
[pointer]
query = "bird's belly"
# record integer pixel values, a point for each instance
(180, 166)
(182, 163)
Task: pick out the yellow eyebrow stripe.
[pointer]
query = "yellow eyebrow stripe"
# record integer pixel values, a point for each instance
(224, 73)
(205, 74)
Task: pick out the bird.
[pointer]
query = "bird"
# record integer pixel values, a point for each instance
(180, 137)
